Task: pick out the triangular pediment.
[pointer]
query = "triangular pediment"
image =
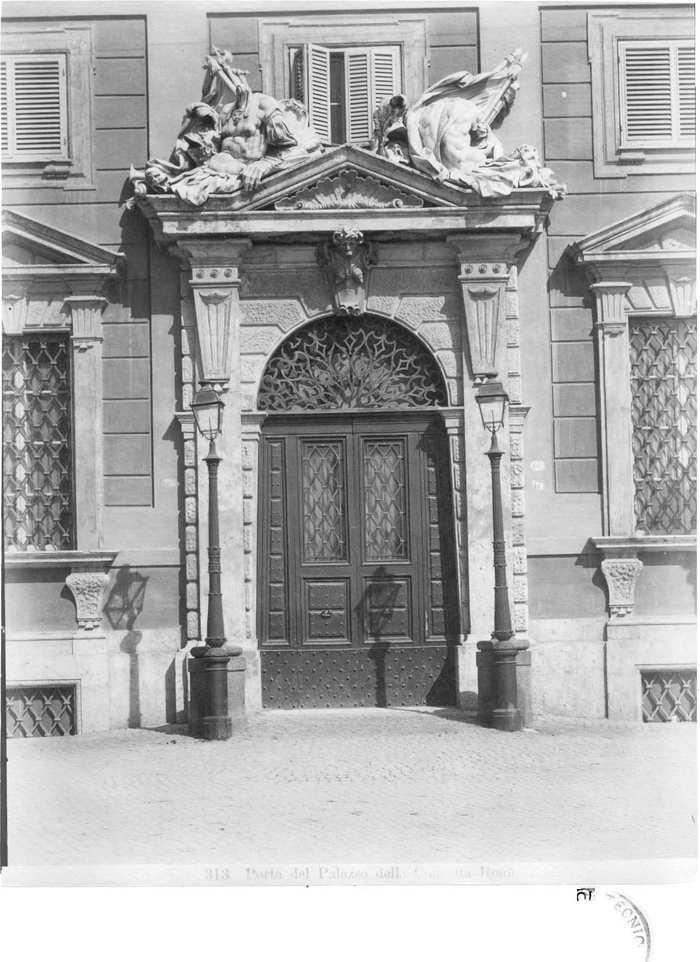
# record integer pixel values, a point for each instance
(348, 178)
(665, 230)
(28, 245)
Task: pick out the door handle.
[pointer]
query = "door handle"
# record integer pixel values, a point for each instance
(326, 613)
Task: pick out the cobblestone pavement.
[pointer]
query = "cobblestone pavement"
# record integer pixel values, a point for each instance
(355, 786)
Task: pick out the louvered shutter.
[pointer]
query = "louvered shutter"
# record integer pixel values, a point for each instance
(34, 109)
(358, 106)
(658, 93)
(686, 90)
(386, 75)
(318, 90)
(297, 70)
(4, 113)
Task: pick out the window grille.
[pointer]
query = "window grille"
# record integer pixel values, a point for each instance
(664, 425)
(669, 696)
(37, 461)
(341, 105)
(34, 107)
(338, 364)
(657, 84)
(41, 710)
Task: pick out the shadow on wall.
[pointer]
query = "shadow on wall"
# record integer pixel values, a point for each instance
(123, 607)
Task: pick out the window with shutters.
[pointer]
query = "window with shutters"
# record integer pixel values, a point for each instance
(34, 108)
(343, 87)
(46, 78)
(643, 84)
(343, 70)
(657, 88)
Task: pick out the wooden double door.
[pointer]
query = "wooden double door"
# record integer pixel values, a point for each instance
(357, 596)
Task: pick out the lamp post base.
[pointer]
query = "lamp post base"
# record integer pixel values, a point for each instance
(217, 692)
(501, 698)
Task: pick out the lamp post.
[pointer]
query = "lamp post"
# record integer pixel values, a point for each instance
(503, 711)
(209, 694)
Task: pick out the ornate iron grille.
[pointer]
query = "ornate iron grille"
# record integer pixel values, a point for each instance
(41, 710)
(336, 363)
(385, 501)
(323, 486)
(664, 425)
(37, 462)
(669, 696)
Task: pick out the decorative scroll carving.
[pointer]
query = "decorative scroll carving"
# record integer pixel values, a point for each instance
(348, 258)
(88, 588)
(348, 190)
(341, 364)
(621, 576)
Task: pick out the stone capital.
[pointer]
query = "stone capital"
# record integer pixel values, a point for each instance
(611, 300)
(621, 577)
(480, 251)
(86, 319)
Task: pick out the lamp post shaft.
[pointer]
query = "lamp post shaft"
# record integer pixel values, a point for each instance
(503, 629)
(216, 637)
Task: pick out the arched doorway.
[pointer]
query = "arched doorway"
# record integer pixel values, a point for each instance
(357, 590)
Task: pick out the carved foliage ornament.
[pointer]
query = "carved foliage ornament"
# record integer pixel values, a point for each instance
(348, 191)
(87, 588)
(621, 577)
(336, 364)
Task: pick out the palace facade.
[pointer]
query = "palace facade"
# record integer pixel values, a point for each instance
(364, 217)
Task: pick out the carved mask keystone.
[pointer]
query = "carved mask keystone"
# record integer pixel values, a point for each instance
(348, 258)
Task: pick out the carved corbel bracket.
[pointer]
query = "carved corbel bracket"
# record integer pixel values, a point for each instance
(15, 305)
(86, 319)
(348, 258)
(215, 283)
(682, 288)
(88, 587)
(484, 272)
(621, 577)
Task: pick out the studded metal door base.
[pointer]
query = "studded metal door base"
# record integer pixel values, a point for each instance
(374, 677)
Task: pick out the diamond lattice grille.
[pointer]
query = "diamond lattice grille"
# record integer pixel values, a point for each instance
(324, 502)
(385, 501)
(37, 487)
(669, 696)
(339, 364)
(40, 711)
(664, 425)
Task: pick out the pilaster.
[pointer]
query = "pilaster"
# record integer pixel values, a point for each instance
(454, 426)
(612, 339)
(86, 342)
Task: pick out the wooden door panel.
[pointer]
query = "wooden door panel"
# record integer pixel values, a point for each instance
(327, 612)
(387, 610)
